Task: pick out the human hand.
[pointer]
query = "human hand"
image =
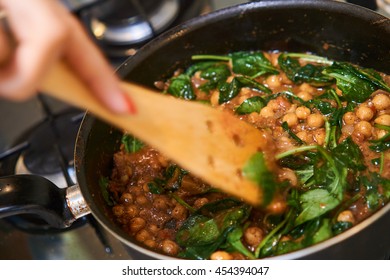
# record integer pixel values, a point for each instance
(44, 32)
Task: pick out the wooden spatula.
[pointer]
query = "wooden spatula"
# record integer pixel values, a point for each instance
(211, 144)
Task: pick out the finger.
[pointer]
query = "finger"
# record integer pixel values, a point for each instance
(36, 47)
(5, 43)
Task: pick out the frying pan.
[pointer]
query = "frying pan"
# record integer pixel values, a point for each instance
(339, 31)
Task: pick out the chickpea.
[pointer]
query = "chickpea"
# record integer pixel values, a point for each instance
(380, 133)
(302, 112)
(277, 206)
(221, 255)
(131, 210)
(292, 109)
(126, 198)
(179, 212)
(381, 101)
(142, 200)
(364, 113)
(253, 117)
(383, 120)
(153, 228)
(273, 104)
(364, 128)
(304, 136)
(285, 80)
(319, 136)
(346, 216)
(237, 256)
(214, 98)
(273, 81)
(306, 96)
(291, 119)
(145, 188)
(267, 112)
(200, 202)
(118, 210)
(169, 247)
(306, 87)
(137, 190)
(124, 178)
(274, 59)
(136, 224)
(160, 203)
(349, 118)
(289, 175)
(150, 243)
(142, 235)
(315, 120)
(253, 236)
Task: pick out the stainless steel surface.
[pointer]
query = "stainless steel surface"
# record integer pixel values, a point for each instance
(76, 202)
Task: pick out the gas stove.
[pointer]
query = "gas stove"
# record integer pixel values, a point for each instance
(38, 136)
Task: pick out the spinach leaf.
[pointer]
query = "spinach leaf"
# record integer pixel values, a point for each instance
(348, 155)
(103, 184)
(200, 66)
(228, 91)
(253, 84)
(207, 228)
(306, 235)
(315, 203)
(377, 190)
(340, 227)
(287, 94)
(257, 171)
(173, 176)
(216, 74)
(250, 105)
(131, 143)
(328, 183)
(351, 81)
(374, 77)
(234, 242)
(309, 73)
(181, 87)
(155, 188)
(253, 64)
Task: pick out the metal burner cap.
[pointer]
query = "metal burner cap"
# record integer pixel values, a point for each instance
(130, 22)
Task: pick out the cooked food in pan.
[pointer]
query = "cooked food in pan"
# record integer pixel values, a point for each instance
(330, 126)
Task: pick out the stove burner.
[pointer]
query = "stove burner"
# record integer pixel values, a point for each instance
(121, 27)
(50, 150)
(129, 22)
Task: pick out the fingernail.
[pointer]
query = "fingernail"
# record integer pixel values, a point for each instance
(131, 109)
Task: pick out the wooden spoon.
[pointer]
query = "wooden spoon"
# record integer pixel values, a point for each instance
(211, 144)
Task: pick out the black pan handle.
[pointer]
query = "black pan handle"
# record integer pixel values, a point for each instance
(32, 194)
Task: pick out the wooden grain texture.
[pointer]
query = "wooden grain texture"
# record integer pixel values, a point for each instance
(211, 144)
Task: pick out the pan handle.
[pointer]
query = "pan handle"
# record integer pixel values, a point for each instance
(32, 194)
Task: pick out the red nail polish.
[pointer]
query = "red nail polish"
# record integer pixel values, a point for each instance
(130, 105)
